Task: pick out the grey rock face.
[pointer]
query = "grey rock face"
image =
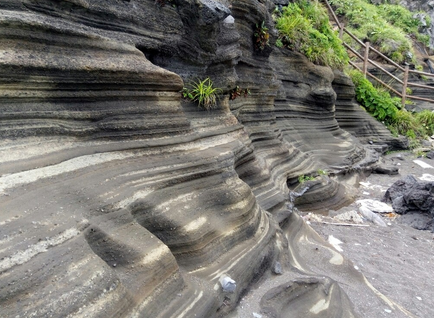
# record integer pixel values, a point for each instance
(127, 200)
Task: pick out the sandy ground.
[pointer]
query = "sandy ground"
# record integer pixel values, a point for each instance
(397, 260)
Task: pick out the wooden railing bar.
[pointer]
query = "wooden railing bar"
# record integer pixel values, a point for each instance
(355, 66)
(353, 51)
(387, 59)
(421, 73)
(420, 98)
(420, 85)
(385, 85)
(385, 71)
(354, 37)
(333, 13)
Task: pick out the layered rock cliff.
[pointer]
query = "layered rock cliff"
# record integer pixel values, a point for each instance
(120, 199)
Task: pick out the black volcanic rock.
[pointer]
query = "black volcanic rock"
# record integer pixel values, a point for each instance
(411, 196)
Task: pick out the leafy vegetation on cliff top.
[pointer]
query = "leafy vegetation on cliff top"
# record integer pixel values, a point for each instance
(304, 26)
(386, 26)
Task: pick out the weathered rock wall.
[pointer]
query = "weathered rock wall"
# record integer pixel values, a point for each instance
(119, 199)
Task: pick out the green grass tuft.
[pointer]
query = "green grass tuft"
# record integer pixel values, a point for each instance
(202, 92)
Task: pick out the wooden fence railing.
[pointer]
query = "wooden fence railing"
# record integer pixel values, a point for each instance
(366, 61)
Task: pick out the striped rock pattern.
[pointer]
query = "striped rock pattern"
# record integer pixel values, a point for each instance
(120, 199)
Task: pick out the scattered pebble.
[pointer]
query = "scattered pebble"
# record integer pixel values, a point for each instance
(387, 310)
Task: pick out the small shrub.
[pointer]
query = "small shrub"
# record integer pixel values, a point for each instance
(237, 91)
(414, 143)
(303, 178)
(420, 154)
(321, 172)
(405, 123)
(425, 119)
(279, 43)
(377, 102)
(202, 92)
(261, 36)
(387, 109)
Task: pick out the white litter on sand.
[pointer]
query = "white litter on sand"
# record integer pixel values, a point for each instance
(375, 205)
(427, 177)
(423, 164)
(335, 243)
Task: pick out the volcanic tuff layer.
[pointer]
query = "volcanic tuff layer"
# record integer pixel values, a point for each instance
(119, 199)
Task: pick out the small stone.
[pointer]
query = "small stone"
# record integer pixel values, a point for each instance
(229, 20)
(277, 268)
(386, 169)
(256, 315)
(228, 284)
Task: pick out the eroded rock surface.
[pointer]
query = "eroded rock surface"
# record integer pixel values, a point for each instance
(119, 199)
(413, 198)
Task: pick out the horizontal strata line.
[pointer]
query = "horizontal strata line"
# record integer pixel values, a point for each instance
(25, 177)
(24, 256)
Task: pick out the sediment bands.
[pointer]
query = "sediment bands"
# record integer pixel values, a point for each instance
(119, 198)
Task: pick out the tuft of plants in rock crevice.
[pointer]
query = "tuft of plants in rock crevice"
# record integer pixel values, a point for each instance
(261, 36)
(304, 26)
(237, 92)
(202, 92)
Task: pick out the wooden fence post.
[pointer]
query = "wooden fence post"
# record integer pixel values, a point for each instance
(404, 85)
(366, 58)
(341, 30)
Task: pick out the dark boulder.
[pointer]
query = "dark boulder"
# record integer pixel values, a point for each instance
(408, 195)
(386, 169)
